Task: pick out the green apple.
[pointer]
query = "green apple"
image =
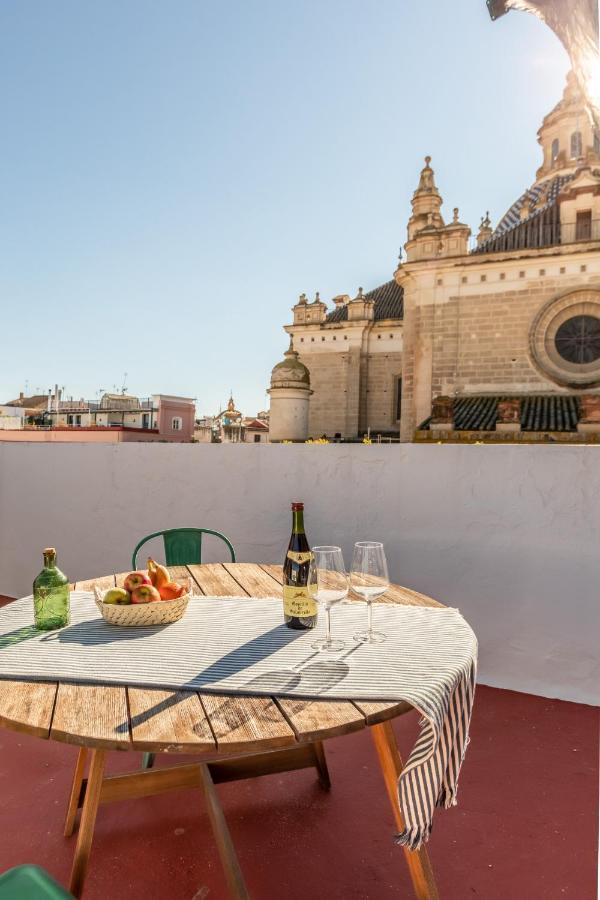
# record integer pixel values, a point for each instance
(118, 596)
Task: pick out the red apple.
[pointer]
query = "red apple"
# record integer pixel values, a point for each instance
(134, 580)
(145, 593)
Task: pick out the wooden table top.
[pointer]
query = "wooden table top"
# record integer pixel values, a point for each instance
(148, 719)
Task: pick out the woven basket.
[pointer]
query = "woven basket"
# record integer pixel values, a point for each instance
(161, 612)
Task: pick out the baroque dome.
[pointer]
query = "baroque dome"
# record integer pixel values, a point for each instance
(290, 372)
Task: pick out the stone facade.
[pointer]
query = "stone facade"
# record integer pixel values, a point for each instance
(502, 318)
(354, 372)
(469, 336)
(354, 356)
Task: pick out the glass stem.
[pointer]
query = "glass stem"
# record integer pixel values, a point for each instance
(370, 618)
(328, 625)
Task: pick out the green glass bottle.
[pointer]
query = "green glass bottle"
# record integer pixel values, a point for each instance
(299, 608)
(51, 606)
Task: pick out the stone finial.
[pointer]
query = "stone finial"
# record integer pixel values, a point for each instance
(485, 229)
(426, 181)
(302, 298)
(360, 293)
(341, 300)
(317, 297)
(455, 212)
(400, 256)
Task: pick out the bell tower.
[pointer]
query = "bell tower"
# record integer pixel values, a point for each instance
(428, 236)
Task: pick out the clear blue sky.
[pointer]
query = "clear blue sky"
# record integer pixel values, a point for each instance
(173, 175)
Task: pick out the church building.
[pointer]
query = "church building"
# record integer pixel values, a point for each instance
(496, 338)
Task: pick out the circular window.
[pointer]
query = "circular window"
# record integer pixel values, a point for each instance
(564, 339)
(578, 339)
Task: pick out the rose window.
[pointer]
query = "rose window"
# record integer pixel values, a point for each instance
(578, 339)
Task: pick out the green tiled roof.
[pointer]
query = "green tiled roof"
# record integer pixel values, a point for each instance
(540, 412)
(542, 226)
(389, 304)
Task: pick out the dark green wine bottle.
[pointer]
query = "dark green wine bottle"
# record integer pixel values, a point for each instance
(51, 598)
(299, 609)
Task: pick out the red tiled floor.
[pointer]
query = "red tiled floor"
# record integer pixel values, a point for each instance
(525, 826)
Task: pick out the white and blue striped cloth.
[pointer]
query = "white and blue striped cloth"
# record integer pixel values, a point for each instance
(240, 646)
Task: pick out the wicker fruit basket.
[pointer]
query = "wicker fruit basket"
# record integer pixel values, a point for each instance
(158, 613)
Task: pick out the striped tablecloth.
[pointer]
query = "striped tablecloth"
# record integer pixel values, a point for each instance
(239, 646)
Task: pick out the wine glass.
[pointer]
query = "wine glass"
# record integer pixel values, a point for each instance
(369, 579)
(327, 585)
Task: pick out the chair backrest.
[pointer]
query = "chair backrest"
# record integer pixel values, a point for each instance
(183, 546)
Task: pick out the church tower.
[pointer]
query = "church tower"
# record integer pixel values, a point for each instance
(428, 236)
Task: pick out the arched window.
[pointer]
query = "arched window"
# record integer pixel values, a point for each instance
(554, 150)
(576, 145)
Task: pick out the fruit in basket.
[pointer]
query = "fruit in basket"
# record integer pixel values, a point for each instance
(145, 593)
(170, 590)
(158, 574)
(135, 580)
(117, 595)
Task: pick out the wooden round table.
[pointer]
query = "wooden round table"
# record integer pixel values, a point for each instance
(233, 737)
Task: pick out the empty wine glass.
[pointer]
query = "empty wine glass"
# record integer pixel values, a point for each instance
(327, 585)
(369, 579)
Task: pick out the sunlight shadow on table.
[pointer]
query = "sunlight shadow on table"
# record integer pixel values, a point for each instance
(18, 636)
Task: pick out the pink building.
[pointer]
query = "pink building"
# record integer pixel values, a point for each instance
(175, 417)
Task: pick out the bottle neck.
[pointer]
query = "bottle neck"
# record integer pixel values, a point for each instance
(297, 521)
(49, 560)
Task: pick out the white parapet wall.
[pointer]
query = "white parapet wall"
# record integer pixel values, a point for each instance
(509, 534)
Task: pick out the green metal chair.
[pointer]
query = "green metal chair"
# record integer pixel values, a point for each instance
(30, 883)
(183, 547)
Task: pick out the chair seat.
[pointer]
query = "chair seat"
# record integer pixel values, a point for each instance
(30, 883)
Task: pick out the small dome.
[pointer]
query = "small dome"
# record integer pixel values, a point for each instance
(290, 372)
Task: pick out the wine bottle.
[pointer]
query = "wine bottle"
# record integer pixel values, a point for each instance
(51, 599)
(299, 609)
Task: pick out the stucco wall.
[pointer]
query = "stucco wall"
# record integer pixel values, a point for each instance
(510, 535)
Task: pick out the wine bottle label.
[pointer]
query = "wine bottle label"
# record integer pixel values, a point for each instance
(299, 557)
(297, 602)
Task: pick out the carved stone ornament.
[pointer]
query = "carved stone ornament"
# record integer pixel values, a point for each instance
(509, 411)
(442, 411)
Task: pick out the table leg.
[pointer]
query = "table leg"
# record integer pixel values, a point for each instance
(321, 765)
(391, 764)
(233, 872)
(75, 792)
(88, 820)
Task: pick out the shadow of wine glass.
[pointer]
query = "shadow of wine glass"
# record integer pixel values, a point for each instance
(316, 678)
